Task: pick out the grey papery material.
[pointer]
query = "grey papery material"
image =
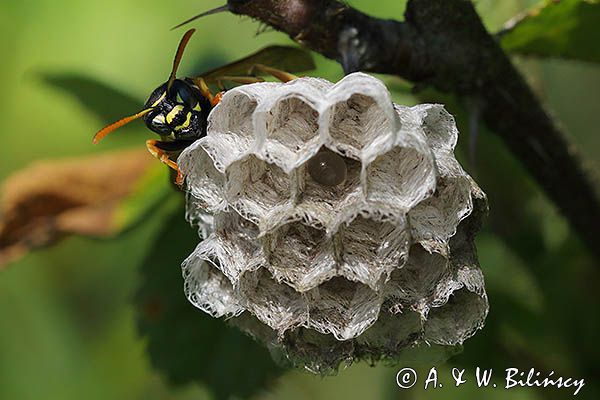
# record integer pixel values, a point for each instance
(368, 268)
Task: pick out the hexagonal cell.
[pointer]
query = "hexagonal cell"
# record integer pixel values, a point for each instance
(438, 216)
(223, 256)
(202, 179)
(319, 353)
(300, 256)
(391, 333)
(232, 247)
(439, 127)
(257, 190)
(292, 122)
(275, 304)
(457, 320)
(372, 249)
(343, 308)
(399, 179)
(418, 278)
(231, 132)
(233, 115)
(465, 273)
(355, 123)
(208, 289)
(224, 149)
(324, 206)
(240, 232)
(291, 129)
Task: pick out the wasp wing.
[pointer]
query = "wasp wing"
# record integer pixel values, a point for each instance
(286, 58)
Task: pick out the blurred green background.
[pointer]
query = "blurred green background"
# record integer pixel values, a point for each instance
(69, 324)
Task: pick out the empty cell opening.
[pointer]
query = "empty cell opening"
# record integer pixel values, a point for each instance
(292, 123)
(357, 121)
(343, 308)
(229, 254)
(301, 256)
(439, 215)
(400, 178)
(261, 184)
(457, 320)
(240, 232)
(208, 289)
(418, 278)
(373, 243)
(234, 115)
(275, 304)
(439, 127)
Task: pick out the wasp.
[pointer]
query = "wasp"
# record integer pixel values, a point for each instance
(178, 109)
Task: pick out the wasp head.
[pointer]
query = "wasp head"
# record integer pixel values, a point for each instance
(177, 112)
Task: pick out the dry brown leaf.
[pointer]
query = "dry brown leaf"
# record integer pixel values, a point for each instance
(50, 199)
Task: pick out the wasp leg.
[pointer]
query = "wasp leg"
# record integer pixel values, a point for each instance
(214, 99)
(277, 73)
(217, 98)
(153, 147)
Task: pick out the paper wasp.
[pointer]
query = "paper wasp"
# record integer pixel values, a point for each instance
(178, 109)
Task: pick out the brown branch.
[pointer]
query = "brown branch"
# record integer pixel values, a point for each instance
(444, 44)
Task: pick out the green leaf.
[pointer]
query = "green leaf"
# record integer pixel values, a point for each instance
(499, 261)
(150, 190)
(565, 29)
(184, 343)
(105, 101)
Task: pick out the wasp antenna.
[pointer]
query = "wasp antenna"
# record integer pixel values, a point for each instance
(184, 41)
(217, 10)
(116, 125)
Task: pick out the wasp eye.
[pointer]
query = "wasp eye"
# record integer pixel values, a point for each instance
(157, 96)
(183, 94)
(327, 168)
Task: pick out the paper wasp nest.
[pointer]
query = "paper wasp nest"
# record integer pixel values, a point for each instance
(326, 274)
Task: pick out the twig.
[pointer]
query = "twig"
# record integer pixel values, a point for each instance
(444, 44)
